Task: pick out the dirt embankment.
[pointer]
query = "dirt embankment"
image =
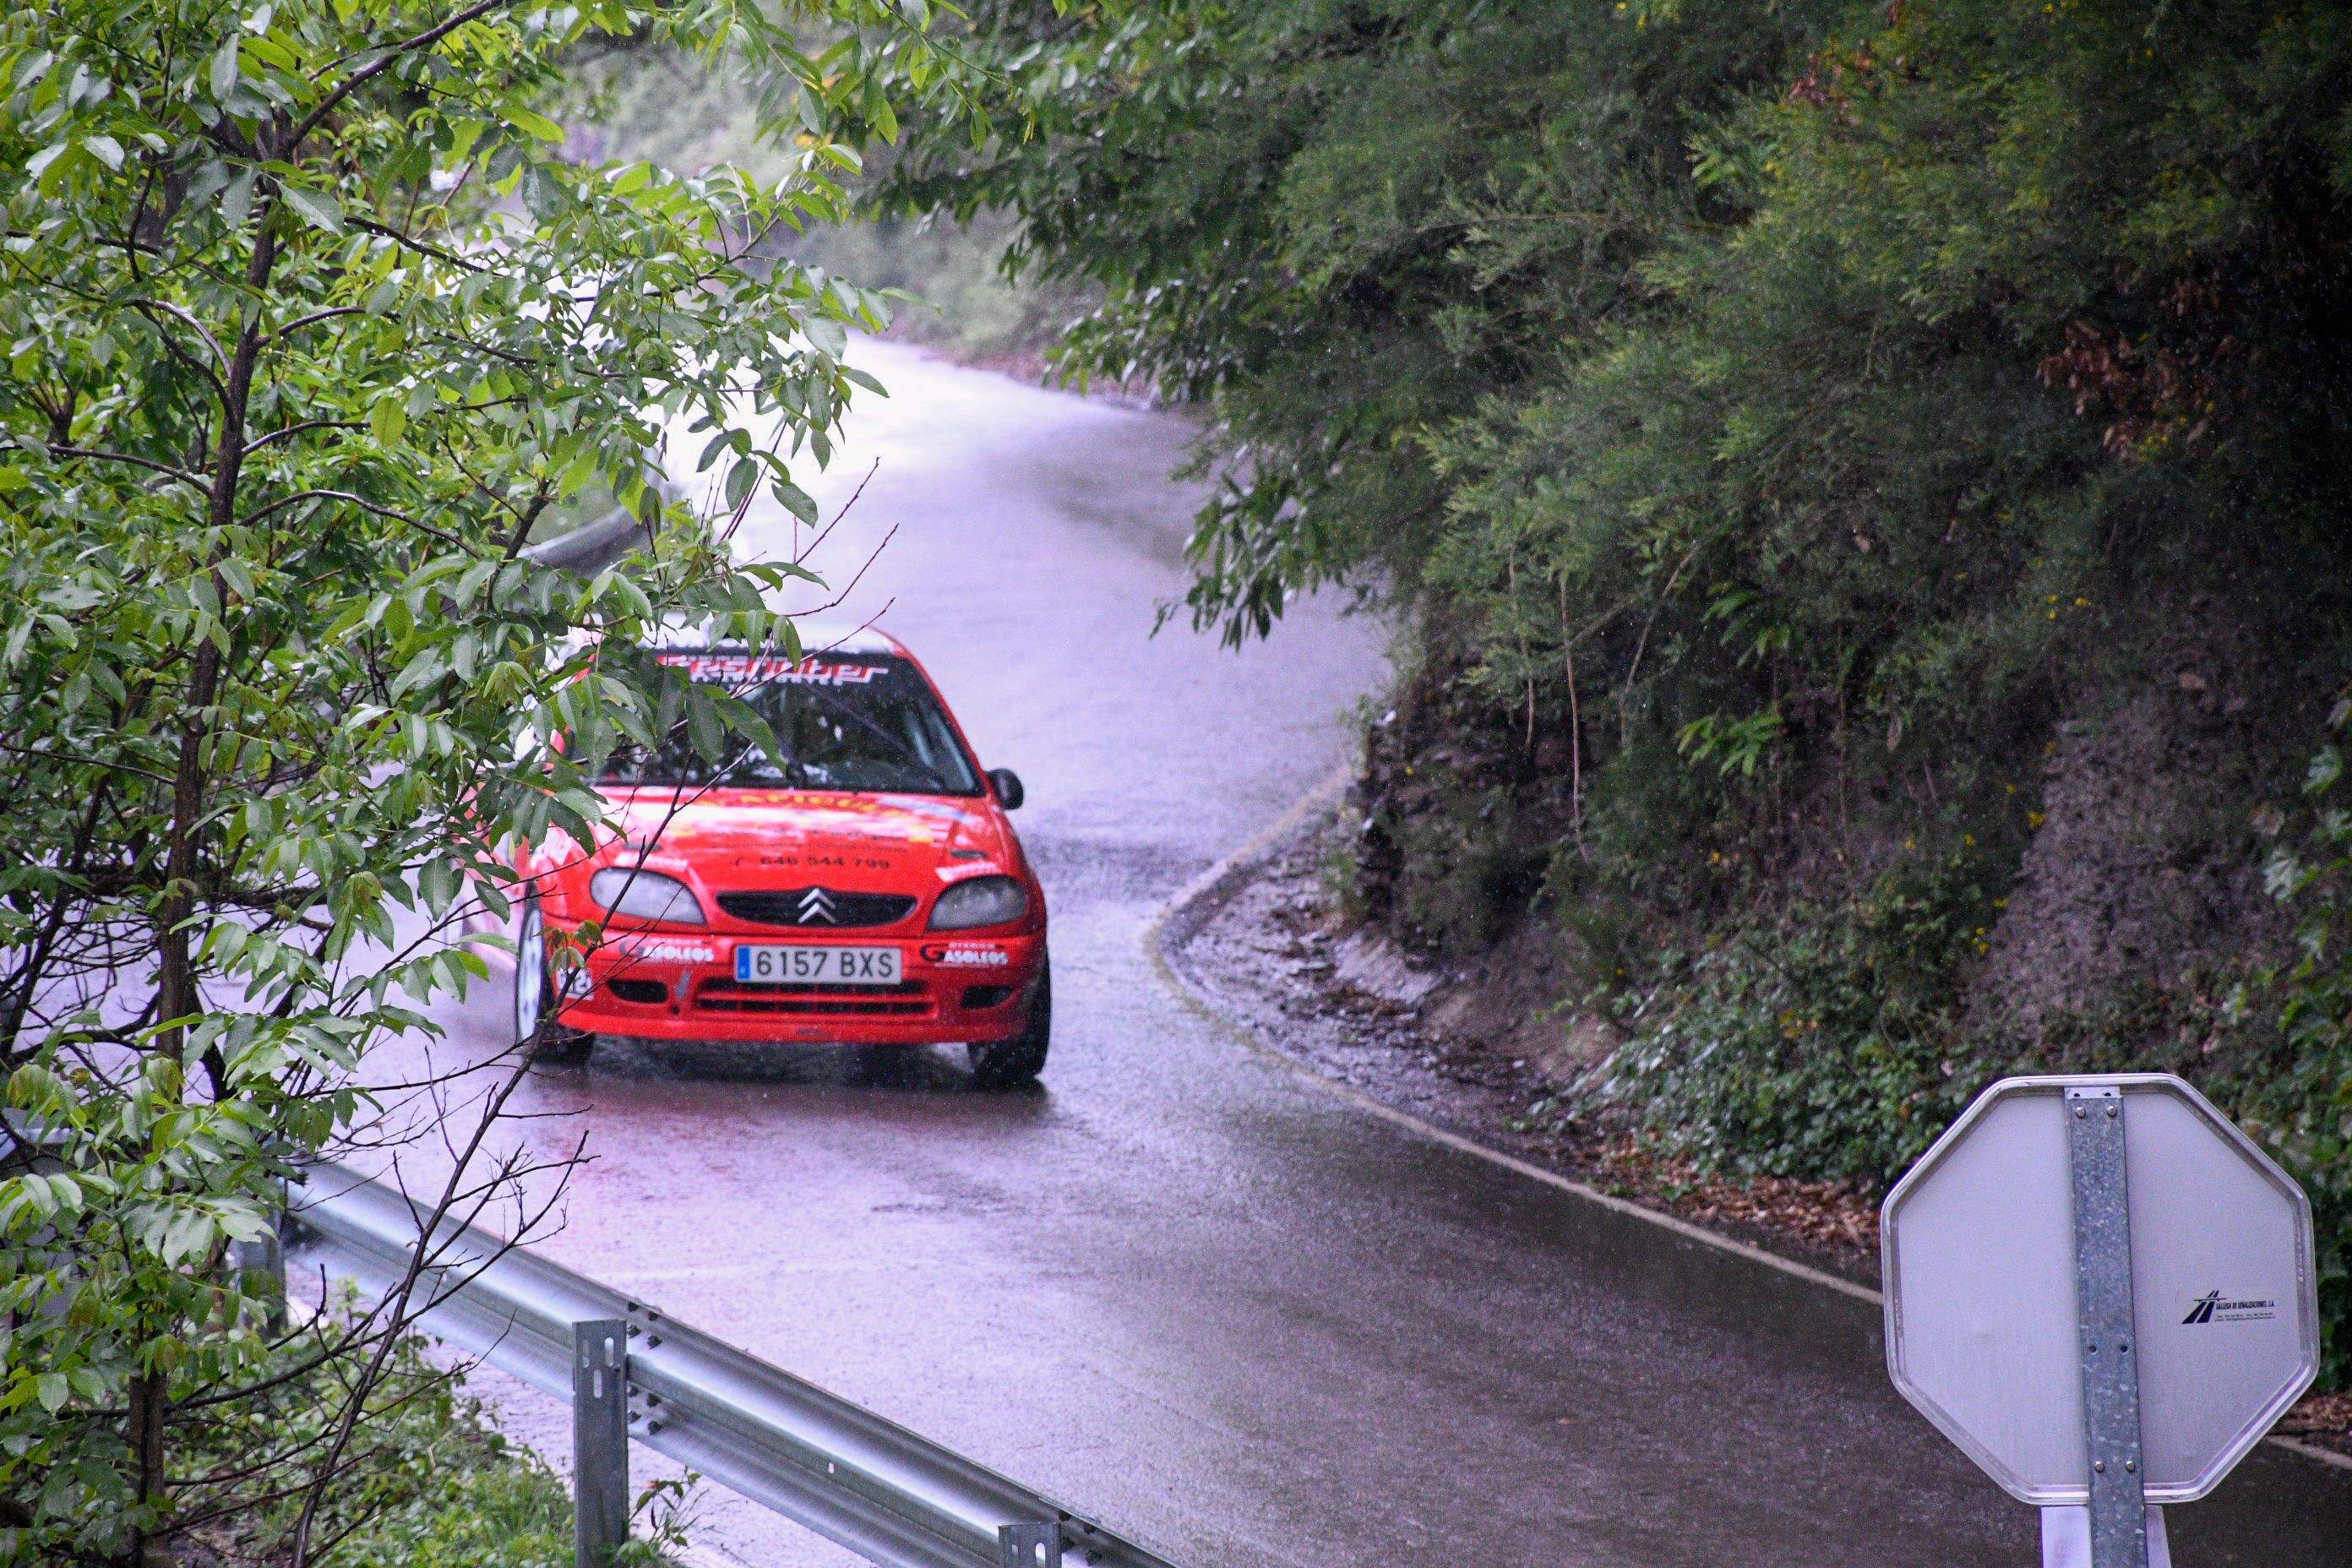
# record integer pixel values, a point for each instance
(2145, 872)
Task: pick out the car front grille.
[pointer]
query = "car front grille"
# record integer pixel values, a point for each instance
(818, 909)
(909, 998)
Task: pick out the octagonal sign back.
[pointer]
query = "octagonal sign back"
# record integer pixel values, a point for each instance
(1978, 1245)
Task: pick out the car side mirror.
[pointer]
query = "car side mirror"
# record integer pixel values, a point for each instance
(1009, 793)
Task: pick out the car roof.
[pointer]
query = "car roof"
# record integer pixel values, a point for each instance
(817, 635)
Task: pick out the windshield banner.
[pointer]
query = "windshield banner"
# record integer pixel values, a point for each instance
(767, 668)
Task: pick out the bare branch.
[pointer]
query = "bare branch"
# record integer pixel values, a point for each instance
(298, 322)
(96, 455)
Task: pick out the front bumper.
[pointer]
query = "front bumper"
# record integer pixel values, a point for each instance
(682, 986)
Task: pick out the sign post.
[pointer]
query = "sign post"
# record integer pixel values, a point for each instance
(2103, 1320)
(2103, 1293)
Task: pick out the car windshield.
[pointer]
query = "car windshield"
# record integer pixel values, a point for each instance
(863, 723)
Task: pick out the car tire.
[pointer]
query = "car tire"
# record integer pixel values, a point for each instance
(537, 992)
(1008, 1063)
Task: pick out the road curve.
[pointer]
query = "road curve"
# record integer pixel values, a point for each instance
(1177, 1287)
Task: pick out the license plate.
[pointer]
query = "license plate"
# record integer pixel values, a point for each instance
(798, 965)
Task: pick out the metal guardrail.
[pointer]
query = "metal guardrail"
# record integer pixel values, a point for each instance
(888, 1495)
(592, 546)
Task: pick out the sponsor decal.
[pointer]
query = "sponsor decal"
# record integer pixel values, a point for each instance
(2229, 1306)
(667, 949)
(966, 957)
(769, 670)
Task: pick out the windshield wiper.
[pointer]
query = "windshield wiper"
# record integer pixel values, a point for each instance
(906, 755)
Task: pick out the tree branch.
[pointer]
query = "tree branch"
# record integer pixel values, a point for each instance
(315, 317)
(366, 74)
(98, 454)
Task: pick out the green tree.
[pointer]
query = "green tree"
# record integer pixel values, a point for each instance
(308, 322)
(1794, 432)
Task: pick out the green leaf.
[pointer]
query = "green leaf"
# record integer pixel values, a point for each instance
(544, 194)
(387, 420)
(318, 209)
(533, 124)
(2327, 767)
(106, 150)
(829, 335)
(796, 500)
(236, 200)
(224, 71)
(739, 480)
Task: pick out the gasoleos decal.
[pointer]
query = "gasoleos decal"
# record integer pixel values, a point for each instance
(665, 950)
(962, 956)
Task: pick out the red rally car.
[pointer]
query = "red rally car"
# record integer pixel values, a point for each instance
(870, 890)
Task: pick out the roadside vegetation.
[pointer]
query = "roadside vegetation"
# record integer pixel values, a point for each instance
(310, 323)
(435, 1486)
(1861, 487)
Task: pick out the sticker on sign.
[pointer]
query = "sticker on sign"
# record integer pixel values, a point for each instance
(2219, 1307)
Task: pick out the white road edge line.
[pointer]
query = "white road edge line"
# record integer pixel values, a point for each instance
(1214, 882)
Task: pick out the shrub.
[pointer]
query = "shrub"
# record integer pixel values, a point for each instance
(1825, 1043)
(2302, 1113)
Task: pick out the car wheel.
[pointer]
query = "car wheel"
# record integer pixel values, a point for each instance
(538, 994)
(1005, 1064)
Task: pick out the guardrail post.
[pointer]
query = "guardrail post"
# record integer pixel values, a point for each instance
(600, 1440)
(265, 1256)
(1037, 1545)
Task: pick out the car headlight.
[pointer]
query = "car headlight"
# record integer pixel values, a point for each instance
(982, 901)
(645, 896)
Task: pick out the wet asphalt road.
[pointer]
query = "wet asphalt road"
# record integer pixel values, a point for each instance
(1178, 1287)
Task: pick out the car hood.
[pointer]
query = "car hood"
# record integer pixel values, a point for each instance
(786, 837)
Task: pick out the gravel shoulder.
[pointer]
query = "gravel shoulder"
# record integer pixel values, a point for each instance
(1265, 945)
